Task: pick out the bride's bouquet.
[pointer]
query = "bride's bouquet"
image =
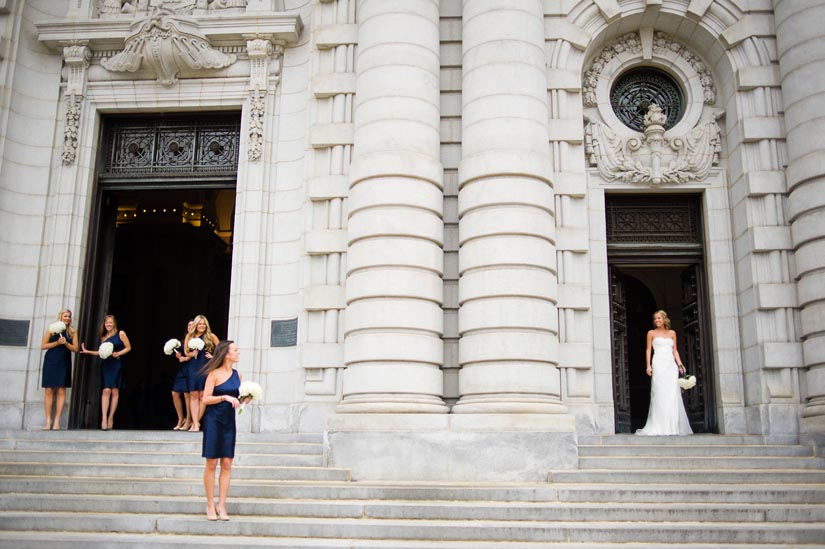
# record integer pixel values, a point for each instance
(105, 350)
(196, 344)
(170, 346)
(57, 327)
(687, 382)
(248, 390)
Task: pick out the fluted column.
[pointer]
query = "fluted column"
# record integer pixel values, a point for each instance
(508, 320)
(801, 44)
(392, 344)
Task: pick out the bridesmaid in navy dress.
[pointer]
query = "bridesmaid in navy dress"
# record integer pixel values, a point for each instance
(220, 398)
(57, 367)
(197, 377)
(111, 369)
(180, 386)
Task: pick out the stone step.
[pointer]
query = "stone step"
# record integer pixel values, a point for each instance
(154, 436)
(450, 530)
(393, 509)
(695, 451)
(193, 445)
(687, 440)
(718, 476)
(174, 457)
(696, 462)
(337, 490)
(194, 471)
(110, 540)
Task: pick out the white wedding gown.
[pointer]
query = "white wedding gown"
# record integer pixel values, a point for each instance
(667, 414)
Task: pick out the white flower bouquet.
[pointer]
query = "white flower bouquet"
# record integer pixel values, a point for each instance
(57, 327)
(105, 350)
(687, 382)
(170, 346)
(196, 344)
(248, 390)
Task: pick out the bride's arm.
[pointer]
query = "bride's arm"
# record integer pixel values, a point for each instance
(676, 356)
(647, 353)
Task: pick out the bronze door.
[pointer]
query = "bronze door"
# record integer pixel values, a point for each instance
(621, 368)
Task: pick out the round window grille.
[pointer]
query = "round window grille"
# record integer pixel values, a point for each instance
(637, 89)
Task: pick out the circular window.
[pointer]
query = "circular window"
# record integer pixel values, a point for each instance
(637, 89)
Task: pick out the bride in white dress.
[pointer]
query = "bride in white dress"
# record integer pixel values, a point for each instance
(667, 414)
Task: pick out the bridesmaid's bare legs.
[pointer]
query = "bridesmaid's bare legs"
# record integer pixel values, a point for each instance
(195, 408)
(58, 410)
(223, 487)
(209, 487)
(104, 408)
(113, 407)
(48, 401)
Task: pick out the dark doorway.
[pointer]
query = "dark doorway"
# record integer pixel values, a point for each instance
(656, 261)
(160, 252)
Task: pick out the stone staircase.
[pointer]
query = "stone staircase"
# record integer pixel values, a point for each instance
(134, 489)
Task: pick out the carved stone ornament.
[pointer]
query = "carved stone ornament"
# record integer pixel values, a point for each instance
(631, 43)
(76, 57)
(109, 9)
(260, 52)
(167, 44)
(656, 158)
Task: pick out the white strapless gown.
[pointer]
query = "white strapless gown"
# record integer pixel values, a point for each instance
(667, 414)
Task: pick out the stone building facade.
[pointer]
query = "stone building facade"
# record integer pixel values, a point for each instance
(450, 221)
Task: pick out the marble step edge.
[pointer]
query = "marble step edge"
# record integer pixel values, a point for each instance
(108, 540)
(330, 488)
(408, 510)
(153, 435)
(537, 531)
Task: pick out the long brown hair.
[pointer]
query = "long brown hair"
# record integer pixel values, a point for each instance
(665, 318)
(218, 357)
(102, 332)
(69, 329)
(209, 345)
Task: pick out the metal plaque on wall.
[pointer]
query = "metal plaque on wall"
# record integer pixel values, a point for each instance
(284, 333)
(14, 333)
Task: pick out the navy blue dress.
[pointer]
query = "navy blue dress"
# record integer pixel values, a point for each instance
(218, 421)
(57, 364)
(181, 383)
(195, 380)
(112, 368)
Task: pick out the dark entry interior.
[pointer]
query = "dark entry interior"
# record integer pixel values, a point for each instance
(165, 269)
(656, 261)
(647, 289)
(160, 252)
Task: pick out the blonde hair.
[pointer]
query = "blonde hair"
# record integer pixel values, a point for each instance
(69, 329)
(209, 343)
(665, 318)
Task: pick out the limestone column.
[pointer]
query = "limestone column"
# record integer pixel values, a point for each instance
(801, 44)
(508, 320)
(393, 321)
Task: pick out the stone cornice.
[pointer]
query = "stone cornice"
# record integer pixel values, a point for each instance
(110, 34)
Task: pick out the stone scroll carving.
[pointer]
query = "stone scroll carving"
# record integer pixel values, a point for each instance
(167, 44)
(76, 57)
(655, 158)
(261, 53)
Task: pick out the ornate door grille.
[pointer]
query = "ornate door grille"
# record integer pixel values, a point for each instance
(203, 146)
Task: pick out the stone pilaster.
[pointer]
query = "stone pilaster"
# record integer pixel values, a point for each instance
(801, 46)
(76, 57)
(508, 319)
(393, 321)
